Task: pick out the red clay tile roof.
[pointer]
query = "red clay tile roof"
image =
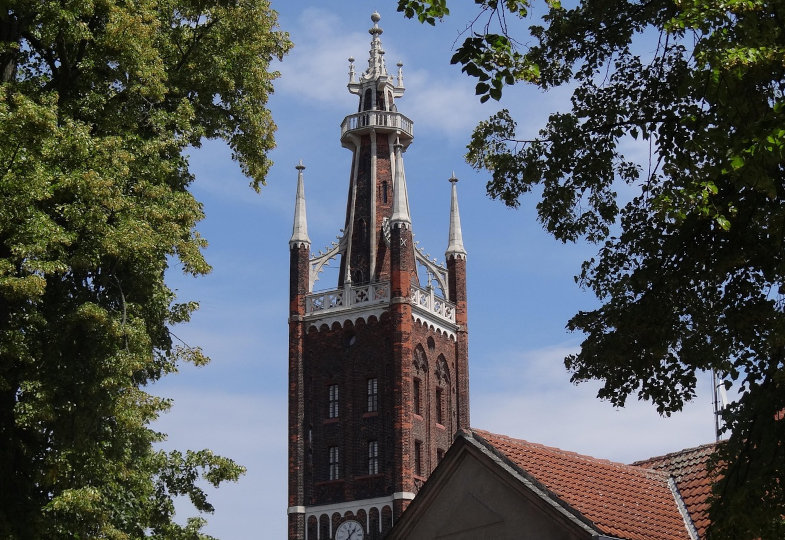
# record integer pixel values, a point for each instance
(625, 501)
(688, 468)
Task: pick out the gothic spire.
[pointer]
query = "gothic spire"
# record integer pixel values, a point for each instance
(400, 209)
(300, 226)
(455, 243)
(376, 65)
(376, 75)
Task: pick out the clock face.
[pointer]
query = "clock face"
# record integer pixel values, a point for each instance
(350, 530)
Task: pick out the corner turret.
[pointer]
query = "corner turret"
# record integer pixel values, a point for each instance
(400, 213)
(455, 241)
(300, 227)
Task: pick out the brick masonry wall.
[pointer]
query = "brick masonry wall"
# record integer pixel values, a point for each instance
(298, 287)
(384, 183)
(425, 428)
(348, 355)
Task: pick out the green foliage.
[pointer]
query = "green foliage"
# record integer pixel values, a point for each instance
(98, 101)
(691, 262)
(426, 12)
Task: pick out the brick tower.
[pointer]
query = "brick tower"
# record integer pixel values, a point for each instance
(378, 368)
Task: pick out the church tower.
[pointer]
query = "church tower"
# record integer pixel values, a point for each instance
(378, 368)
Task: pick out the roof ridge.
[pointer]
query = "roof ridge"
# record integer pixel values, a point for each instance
(569, 453)
(478, 436)
(670, 455)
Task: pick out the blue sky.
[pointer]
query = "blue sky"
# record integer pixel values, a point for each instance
(520, 281)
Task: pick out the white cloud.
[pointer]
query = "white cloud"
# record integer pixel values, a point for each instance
(442, 104)
(317, 71)
(317, 68)
(536, 402)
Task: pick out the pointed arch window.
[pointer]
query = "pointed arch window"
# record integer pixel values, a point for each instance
(363, 227)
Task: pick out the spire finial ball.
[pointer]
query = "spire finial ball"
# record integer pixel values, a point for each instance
(453, 178)
(300, 166)
(375, 17)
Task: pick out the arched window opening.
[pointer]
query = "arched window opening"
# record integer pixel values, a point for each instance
(362, 226)
(368, 100)
(362, 518)
(324, 526)
(386, 519)
(313, 525)
(374, 524)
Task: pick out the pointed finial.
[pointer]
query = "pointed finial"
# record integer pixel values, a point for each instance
(376, 31)
(400, 74)
(375, 60)
(300, 226)
(455, 240)
(400, 210)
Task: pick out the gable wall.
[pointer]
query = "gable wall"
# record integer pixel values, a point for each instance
(473, 501)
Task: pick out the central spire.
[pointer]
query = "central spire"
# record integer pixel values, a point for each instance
(376, 67)
(377, 89)
(378, 135)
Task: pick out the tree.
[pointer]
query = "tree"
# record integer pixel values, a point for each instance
(98, 101)
(691, 268)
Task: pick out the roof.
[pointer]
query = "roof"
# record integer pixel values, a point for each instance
(625, 501)
(689, 470)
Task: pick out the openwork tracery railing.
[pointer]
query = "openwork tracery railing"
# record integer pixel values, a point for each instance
(348, 297)
(426, 299)
(374, 294)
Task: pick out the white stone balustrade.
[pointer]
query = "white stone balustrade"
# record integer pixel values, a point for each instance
(347, 298)
(427, 300)
(360, 296)
(377, 119)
